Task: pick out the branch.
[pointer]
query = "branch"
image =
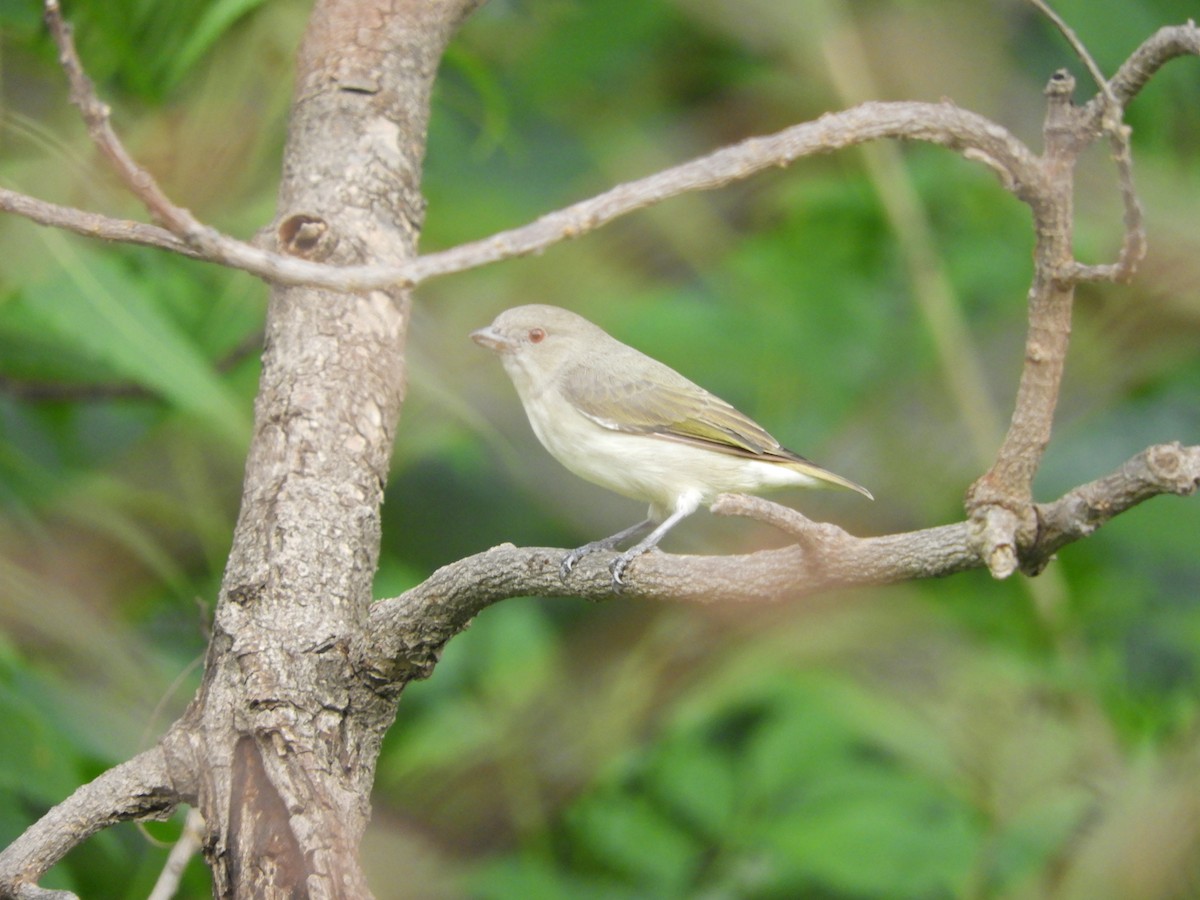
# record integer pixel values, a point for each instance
(1156, 51)
(141, 788)
(972, 135)
(93, 225)
(96, 116)
(1103, 113)
(1108, 112)
(405, 634)
(1160, 469)
(1000, 503)
(1105, 108)
(975, 137)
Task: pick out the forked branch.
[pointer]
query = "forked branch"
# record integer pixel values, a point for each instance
(1000, 502)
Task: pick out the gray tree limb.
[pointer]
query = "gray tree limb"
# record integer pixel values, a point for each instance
(141, 788)
(407, 632)
(970, 134)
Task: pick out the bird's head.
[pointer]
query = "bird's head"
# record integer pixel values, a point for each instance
(535, 341)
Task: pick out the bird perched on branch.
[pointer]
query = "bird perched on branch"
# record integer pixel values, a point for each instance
(624, 421)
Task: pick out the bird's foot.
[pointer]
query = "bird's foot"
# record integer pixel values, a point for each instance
(618, 566)
(570, 559)
(610, 543)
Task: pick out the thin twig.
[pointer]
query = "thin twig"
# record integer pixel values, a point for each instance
(96, 116)
(1080, 50)
(1133, 242)
(1152, 54)
(93, 225)
(1160, 48)
(975, 137)
(36, 391)
(972, 135)
(181, 854)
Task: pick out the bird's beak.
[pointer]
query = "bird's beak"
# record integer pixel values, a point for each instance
(490, 338)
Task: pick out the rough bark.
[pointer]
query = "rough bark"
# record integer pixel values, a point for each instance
(287, 731)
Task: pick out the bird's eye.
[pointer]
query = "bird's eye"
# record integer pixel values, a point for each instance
(536, 335)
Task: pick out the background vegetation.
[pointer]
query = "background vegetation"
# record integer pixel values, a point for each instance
(958, 738)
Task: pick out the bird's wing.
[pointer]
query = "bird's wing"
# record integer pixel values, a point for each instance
(663, 402)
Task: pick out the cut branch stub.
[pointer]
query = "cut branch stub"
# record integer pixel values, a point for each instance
(306, 236)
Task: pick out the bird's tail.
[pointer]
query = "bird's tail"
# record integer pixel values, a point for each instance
(820, 473)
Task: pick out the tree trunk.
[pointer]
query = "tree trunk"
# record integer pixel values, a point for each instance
(285, 732)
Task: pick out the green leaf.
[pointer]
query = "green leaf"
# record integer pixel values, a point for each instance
(529, 876)
(873, 833)
(100, 309)
(217, 19)
(695, 782)
(33, 760)
(629, 836)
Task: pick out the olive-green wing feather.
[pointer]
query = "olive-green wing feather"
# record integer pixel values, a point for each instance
(655, 399)
(636, 394)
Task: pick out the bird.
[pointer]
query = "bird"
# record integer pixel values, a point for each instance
(629, 423)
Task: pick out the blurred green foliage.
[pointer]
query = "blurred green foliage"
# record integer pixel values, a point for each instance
(954, 739)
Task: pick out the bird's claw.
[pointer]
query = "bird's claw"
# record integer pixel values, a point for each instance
(616, 568)
(570, 559)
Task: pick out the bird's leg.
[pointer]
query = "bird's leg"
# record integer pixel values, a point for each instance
(649, 542)
(608, 543)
